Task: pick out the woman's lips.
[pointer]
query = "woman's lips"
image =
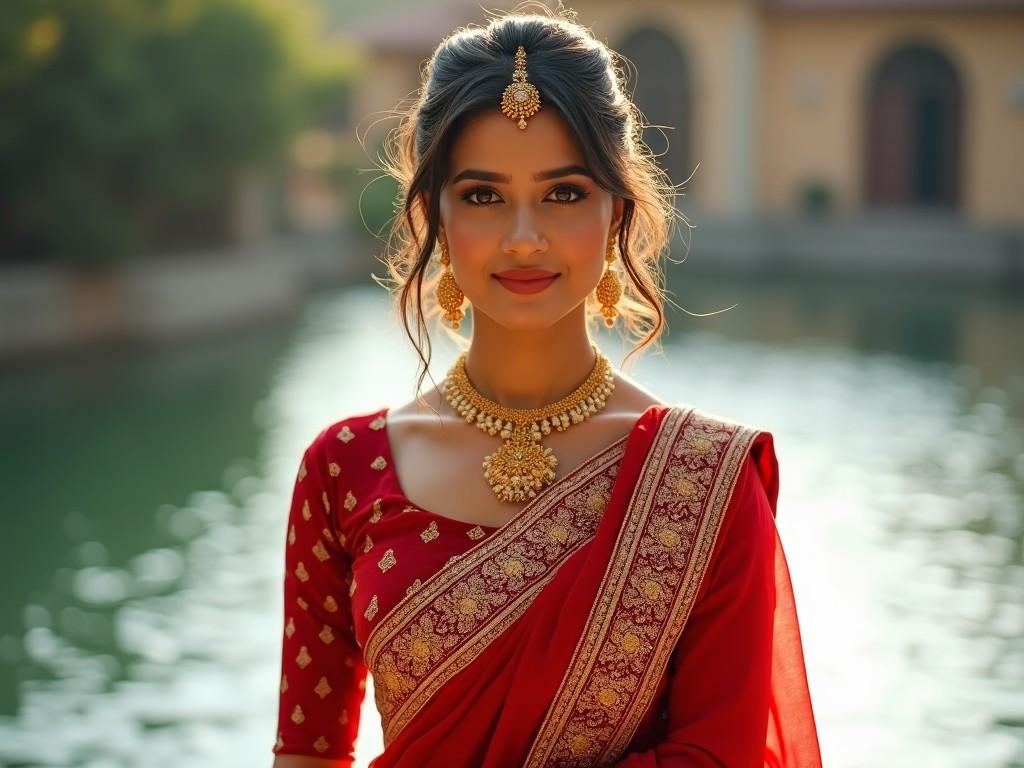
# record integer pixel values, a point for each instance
(526, 286)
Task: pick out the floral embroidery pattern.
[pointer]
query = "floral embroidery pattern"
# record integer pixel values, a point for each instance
(444, 623)
(648, 591)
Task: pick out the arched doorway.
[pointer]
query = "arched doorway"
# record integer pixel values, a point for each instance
(660, 83)
(914, 130)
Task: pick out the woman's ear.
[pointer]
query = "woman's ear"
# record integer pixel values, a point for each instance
(617, 209)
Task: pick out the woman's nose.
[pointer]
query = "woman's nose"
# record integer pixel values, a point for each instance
(524, 235)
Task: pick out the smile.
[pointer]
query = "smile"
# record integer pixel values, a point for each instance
(526, 286)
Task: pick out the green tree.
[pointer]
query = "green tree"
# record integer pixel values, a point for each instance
(126, 123)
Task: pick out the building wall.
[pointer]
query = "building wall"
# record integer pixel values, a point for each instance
(834, 55)
(779, 97)
(714, 36)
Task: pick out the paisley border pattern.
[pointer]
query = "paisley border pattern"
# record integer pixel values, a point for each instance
(439, 629)
(648, 590)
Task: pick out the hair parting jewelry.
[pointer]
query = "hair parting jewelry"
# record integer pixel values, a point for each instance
(520, 99)
(522, 466)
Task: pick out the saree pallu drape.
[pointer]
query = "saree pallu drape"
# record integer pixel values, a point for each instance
(599, 629)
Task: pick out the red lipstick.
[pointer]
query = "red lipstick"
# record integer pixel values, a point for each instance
(526, 280)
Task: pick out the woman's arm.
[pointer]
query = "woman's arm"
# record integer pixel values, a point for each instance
(323, 676)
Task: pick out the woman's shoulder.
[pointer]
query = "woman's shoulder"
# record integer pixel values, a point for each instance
(349, 433)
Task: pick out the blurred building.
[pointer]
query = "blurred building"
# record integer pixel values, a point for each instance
(793, 106)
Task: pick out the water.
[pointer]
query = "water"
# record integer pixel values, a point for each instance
(145, 496)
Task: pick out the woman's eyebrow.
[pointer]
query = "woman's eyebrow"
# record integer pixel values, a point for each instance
(554, 173)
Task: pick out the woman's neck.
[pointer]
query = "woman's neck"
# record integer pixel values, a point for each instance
(521, 369)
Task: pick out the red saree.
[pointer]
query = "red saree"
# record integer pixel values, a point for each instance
(637, 612)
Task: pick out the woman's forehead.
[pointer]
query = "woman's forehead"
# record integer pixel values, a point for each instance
(493, 142)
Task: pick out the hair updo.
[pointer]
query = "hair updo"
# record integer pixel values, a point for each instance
(584, 80)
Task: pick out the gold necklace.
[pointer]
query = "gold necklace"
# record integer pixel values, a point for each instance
(522, 466)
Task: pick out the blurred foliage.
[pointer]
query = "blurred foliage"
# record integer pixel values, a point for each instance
(370, 195)
(128, 123)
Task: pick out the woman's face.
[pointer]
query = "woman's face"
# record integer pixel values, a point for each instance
(523, 199)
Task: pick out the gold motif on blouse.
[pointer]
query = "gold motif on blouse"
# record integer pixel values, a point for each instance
(350, 501)
(345, 434)
(377, 512)
(335, 470)
(429, 533)
(321, 745)
(326, 635)
(301, 572)
(280, 740)
(289, 628)
(387, 561)
(327, 504)
(322, 688)
(377, 424)
(352, 588)
(302, 603)
(303, 659)
(306, 514)
(328, 535)
(302, 471)
(297, 716)
(320, 551)
(371, 609)
(330, 604)
(475, 533)
(379, 463)
(291, 534)
(284, 683)
(368, 544)
(343, 717)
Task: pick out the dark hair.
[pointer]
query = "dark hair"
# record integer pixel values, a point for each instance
(580, 77)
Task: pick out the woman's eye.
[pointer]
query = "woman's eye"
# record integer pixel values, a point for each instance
(565, 194)
(488, 196)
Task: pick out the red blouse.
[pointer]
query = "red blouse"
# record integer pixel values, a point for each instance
(356, 546)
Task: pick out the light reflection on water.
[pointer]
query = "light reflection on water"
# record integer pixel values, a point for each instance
(900, 509)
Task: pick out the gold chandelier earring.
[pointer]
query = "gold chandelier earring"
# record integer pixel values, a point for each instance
(449, 295)
(609, 289)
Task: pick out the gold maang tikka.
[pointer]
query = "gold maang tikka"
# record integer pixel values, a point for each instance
(609, 289)
(520, 99)
(449, 294)
(522, 466)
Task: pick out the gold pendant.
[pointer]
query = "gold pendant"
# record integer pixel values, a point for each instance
(520, 467)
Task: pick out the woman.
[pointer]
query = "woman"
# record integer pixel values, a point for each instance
(591, 577)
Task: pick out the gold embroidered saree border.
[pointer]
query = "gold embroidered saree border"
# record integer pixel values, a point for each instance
(442, 627)
(650, 584)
